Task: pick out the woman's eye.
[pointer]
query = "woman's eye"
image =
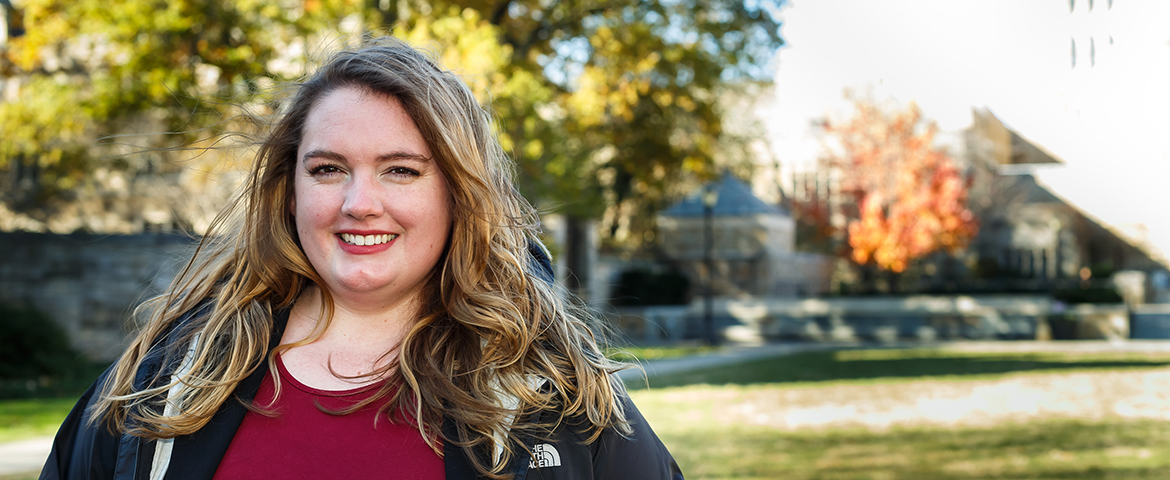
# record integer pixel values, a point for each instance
(325, 169)
(402, 171)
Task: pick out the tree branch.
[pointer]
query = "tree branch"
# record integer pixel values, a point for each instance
(498, 14)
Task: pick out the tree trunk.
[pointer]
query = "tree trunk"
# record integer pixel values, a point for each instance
(577, 250)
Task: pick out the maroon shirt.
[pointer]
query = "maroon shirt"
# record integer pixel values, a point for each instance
(304, 442)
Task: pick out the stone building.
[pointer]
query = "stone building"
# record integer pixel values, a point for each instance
(752, 248)
(1030, 238)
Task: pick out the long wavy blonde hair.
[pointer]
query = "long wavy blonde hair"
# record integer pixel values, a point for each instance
(488, 325)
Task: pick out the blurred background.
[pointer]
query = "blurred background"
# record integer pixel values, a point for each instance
(844, 239)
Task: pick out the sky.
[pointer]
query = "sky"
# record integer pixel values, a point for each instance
(1107, 117)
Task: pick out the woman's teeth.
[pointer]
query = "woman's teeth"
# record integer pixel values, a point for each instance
(367, 239)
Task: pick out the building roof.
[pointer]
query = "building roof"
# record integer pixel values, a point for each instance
(735, 199)
(1028, 189)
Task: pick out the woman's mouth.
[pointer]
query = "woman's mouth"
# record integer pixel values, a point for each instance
(363, 240)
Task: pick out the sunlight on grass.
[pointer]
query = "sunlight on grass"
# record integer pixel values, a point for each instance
(710, 447)
(918, 414)
(632, 353)
(20, 419)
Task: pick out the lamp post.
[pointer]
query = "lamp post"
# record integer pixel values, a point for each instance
(710, 198)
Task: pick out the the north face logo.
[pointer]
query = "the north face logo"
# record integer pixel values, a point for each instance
(544, 455)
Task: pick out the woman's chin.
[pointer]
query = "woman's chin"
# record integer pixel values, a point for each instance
(362, 286)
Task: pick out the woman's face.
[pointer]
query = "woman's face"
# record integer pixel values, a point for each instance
(372, 208)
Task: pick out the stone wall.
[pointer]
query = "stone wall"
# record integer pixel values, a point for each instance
(1150, 321)
(885, 319)
(89, 284)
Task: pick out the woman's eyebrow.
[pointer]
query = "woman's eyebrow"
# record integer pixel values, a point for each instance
(337, 157)
(326, 154)
(403, 156)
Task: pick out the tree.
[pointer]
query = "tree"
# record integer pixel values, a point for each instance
(910, 198)
(606, 104)
(127, 71)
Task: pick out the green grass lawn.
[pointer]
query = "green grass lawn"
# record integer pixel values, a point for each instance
(709, 447)
(20, 419)
(1036, 450)
(635, 353)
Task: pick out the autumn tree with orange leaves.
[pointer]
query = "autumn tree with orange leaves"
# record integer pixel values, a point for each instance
(910, 197)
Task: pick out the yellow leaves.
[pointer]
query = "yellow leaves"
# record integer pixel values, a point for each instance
(44, 101)
(696, 164)
(22, 53)
(589, 101)
(534, 149)
(663, 98)
(623, 98)
(649, 62)
(603, 40)
(45, 23)
(558, 167)
(244, 53)
(470, 47)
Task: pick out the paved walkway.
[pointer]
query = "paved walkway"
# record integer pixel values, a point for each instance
(25, 456)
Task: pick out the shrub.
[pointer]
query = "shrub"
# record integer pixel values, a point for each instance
(1093, 294)
(36, 358)
(640, 287)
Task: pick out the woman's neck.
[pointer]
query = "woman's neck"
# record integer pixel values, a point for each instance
(359, 339)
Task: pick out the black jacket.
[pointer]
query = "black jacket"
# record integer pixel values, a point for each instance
(84, 451)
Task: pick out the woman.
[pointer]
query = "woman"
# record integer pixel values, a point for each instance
(374, 304)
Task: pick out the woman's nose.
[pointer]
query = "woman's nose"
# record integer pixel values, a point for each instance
(362, 198)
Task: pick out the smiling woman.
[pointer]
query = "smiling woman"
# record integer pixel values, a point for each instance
(376, 211)
(375, 303)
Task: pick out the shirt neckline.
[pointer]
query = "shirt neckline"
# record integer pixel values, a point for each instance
(288, 377)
